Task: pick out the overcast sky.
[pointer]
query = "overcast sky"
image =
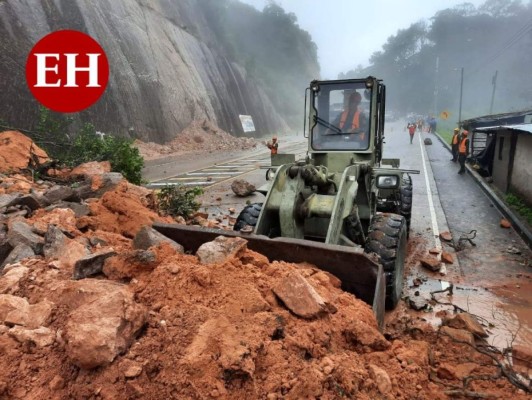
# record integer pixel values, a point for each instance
(344, 40)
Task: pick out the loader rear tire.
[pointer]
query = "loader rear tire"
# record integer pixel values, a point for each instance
(387, 237)
(248, 216)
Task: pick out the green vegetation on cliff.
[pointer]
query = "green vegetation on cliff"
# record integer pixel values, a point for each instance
(271, 46)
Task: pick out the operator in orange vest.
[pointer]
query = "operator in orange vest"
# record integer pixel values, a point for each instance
(455, 141)
(463, 151)
(352, 120)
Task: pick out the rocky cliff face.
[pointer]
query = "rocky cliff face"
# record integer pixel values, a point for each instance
(165, 70)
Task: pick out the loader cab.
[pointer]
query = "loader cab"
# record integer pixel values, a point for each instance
(346, 121)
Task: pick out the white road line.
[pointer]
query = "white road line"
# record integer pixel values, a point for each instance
(158, 184)
(435, 228)
(211, 173)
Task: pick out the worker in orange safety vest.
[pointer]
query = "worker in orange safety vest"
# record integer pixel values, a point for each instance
(273, 145)
(454, 144)
(463, 151)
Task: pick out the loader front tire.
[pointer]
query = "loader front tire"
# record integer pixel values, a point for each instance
(248, 216)
(387, 236)
(405, 208)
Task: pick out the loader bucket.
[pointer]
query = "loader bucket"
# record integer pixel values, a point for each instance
(358, 273)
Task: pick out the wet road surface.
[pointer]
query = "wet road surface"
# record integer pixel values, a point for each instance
(488, 281)
(503, 279)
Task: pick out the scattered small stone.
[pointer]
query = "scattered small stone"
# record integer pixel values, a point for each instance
(232, 210)
(381, 378)
(513, 250)
(467, 322)
(435, 251)
(417, 302)
(522, 355)
(131, 369)
(56, 383)
(459, 335)
(430, 263)
(505, 223)
(427, 141)
(447, 258)
(446, 236)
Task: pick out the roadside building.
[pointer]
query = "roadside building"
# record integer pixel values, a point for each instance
(501, 146)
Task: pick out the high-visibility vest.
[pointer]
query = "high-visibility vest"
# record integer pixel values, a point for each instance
(462, 149)
(273, 147)
(455, 139)
(355, 124)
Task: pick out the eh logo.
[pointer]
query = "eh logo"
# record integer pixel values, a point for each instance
(67, 71)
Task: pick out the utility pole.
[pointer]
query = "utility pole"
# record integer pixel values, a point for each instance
(436, 86)
(461, 91)
(494, 83)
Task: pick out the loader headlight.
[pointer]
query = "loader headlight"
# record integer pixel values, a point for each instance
(314, 86)
(387, 181)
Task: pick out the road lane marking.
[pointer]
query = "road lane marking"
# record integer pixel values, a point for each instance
(218, 173)
(211, 173)
(433, 218)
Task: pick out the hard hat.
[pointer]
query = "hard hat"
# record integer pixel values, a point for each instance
(457, 129)
(274, 138)
(465, 133)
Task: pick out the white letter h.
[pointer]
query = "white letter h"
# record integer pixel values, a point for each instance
(72, 69)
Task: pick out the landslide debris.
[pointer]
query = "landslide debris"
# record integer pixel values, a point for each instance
(101, 307)
(198, 136)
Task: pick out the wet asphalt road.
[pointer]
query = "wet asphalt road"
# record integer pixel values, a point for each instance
(490, 282)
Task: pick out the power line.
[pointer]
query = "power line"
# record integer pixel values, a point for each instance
(510, 42)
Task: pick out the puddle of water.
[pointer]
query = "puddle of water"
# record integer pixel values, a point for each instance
(505, 312)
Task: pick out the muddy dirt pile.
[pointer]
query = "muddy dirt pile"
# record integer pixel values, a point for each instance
(198, 136)
(94, 303)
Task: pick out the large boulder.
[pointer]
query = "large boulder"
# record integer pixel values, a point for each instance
(148, 237)
(242, 188)
(9, 281)
(300, 297)
(21, 233)
(18, 151)
(91, 264)
(220, 249)
(99, 330)
(90, 169)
